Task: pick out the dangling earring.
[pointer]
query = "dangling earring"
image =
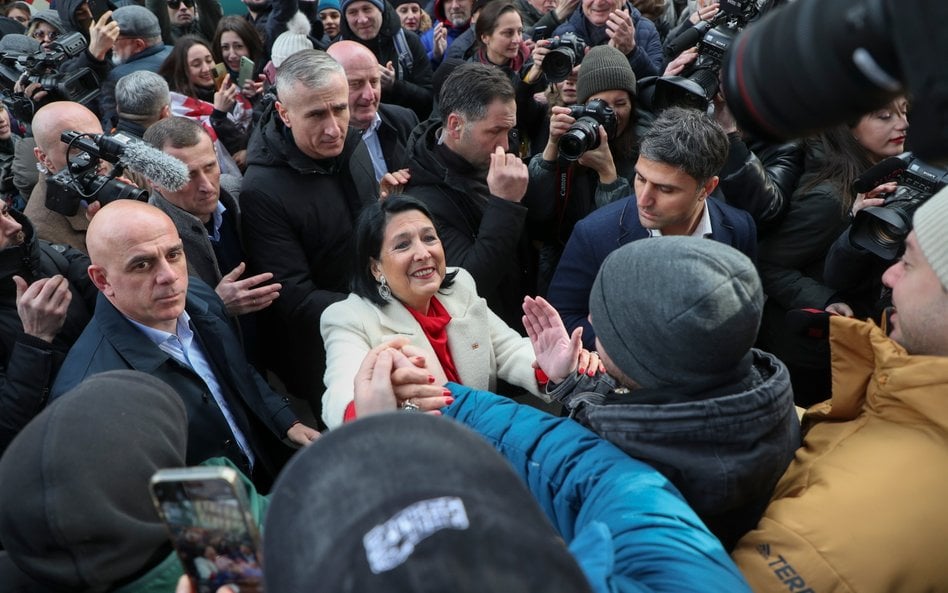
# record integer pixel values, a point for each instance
(384, 291)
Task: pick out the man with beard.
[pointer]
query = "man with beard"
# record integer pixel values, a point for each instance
(46, 299)
(405, 72)
(385, 128)
(461, 170)
(138, 47)
(186, 17)
(452, 18)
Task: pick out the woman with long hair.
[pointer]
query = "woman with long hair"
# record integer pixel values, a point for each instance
(236, 38)
(201, 93)
(792, 257)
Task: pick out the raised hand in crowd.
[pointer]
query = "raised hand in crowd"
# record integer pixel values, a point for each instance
(387, 73)
(705, 12)
(686, 57)
(507, 176)
(226, 97)
(558, 353)
(394, 375)
(440, 41)
(393, 183)
(538, 52)
(621, 31)
(247, 295)
(102, 35)
(42, 306)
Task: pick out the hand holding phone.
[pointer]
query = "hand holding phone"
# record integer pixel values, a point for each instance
(211, 526)
(246, 71)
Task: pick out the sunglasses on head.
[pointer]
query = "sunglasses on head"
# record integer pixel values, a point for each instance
(175, 4)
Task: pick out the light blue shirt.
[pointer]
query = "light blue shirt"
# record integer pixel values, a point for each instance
(182, 347)
(217, 218)
(371, 138)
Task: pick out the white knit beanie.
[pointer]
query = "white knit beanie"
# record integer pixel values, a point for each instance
(930, 224)
(294, 39)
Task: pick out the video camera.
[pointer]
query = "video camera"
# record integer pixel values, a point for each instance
(43, 67)
(698, 83)
(80, 180)
(566, 51)
(882, 229)
(583, 135)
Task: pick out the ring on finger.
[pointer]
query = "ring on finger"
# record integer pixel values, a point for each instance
(410, 406)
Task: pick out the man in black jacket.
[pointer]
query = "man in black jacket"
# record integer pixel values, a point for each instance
(46, 299)
(461, 170)
(406, 73)
(308, 176)
(385, 128)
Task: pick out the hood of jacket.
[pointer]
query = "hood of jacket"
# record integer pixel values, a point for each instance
(75, 508)
(874, 375)
(67, 15)
(722, 452)
(22, 259)
(592, 34)
(272, 145)
(391, 25)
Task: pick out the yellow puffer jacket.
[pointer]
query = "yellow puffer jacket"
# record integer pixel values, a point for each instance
(862, 509)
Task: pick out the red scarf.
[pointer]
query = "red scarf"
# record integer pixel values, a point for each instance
(435, 324)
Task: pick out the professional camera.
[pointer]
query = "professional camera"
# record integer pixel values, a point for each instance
(43, 67)
(566, 51)
(583, 135)
(80, 180)
(698, 83)
(882, 229)
(813, 64)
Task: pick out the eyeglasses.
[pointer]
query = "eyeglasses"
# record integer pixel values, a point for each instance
(176, 4)
(38, 34)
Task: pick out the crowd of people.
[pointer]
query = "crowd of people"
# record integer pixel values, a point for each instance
(461, 302)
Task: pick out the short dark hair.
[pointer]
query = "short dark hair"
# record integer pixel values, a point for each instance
(174, 132)
(471, 88)
(688, 139)
(369, 231)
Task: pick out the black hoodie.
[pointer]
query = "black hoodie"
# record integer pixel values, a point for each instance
(412, 86)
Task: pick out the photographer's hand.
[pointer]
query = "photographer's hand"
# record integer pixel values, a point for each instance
(600, 159)
(874, 197)
(704, 13)
(686, 57)
(540, 49)
(33, 91)
(102, 35)
(621, 31)
(560, 122)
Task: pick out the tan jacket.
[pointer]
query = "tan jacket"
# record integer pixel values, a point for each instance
(482, 346)
(53, 226)
(862, 508)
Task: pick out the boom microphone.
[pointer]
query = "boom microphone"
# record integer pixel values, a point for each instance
(884, 171)
(164, 169)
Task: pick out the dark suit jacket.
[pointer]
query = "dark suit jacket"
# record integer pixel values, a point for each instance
(611, 227)
(111, 342)
(397, 124)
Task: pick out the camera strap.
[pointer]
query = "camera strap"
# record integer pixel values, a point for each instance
(564, 175)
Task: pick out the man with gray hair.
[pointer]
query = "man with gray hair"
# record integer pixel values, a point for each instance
(308, 176)
(141, 99)
(138, 47)
(679, 159)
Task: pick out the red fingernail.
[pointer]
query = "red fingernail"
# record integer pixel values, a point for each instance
(582, 371)
(448, 401)
(431, 379)
(591, 373)
(446, 393)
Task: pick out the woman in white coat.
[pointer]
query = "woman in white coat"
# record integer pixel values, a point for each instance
(401, 289)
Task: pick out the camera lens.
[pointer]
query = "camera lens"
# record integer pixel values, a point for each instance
(558, 64)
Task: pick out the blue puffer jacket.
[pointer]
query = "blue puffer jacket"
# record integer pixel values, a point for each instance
(627, 526)
(646, 59)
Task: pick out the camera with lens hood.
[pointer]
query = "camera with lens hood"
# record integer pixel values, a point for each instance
(566, 51)
(583, 135)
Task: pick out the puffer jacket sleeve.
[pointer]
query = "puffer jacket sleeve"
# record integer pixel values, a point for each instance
(588, 488)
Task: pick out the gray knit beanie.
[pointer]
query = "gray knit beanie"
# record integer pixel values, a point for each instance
(604, 69)
(930, 222)
(677, 312)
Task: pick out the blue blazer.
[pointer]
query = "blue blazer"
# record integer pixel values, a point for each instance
(611, 227)
(627, 526)
(111, 342)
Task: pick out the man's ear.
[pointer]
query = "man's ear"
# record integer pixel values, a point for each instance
(284, 115)
(454, 125)
(98, 276)
(709, 187)
(165, 112)
(42, 158)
